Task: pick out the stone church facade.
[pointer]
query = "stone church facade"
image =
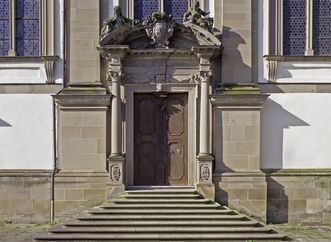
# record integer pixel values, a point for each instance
(232, 99)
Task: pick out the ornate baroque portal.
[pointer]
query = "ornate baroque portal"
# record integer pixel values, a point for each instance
(160, 72)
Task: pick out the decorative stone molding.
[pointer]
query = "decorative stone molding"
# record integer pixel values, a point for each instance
(82, 101)
(272, 70)
(241, 101)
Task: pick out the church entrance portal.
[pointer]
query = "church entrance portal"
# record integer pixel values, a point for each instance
(161, 139)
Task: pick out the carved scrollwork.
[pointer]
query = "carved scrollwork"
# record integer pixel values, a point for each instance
(115, 172)
(205, 173)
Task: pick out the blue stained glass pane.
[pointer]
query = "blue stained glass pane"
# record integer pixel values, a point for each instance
(27, 27)
(144, 8)
(176, 8)
(294, 27)
(322, 27)
(4, 27)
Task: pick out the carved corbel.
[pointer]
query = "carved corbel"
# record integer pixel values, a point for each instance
(272, 66)
(49, 67)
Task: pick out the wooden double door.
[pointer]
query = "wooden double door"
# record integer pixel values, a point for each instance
(160, 139)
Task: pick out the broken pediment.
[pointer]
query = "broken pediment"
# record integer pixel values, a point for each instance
(159, 31)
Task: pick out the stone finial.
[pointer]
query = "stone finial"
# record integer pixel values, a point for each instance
(196, 16)
(160, 28)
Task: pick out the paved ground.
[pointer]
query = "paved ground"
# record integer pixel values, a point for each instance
(24, 232)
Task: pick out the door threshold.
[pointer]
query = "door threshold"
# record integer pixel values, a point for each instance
(157, 187)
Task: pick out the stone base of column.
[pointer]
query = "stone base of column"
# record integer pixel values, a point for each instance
(116, 175)
(205, 184)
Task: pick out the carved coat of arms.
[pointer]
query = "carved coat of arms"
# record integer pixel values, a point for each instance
(160, 28)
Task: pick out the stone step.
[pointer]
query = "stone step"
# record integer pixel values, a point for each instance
(155, 223)
(158, 236)
(162, 191)
(164, 229)
(159, 211)
(165, 217)
(161, 196)
(162, 206)
(160, 200)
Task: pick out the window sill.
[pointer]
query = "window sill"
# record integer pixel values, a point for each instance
(298, 69)
(20, 69)
(28, 59)
(306, 58)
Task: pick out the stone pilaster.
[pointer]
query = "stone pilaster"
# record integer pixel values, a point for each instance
(205, 159)
(239, 181)
(116, 161)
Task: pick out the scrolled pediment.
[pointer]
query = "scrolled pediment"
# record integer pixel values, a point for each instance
(158, 31)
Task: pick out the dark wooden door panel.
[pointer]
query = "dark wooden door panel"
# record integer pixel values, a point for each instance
(160, 139)
(176, 133)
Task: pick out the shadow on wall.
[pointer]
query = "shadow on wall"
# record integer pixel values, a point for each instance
(233, 68)
(277, 202)
(3, 123)
(274, 120)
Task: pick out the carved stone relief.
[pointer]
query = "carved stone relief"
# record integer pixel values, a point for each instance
(115, 172)
(205, 173)
(160, 28)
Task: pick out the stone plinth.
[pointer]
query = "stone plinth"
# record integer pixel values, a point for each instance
(238, 179)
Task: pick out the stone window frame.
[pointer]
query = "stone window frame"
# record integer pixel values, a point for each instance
(274, 59)
(46, 28)
(46, 37)
(276, 28)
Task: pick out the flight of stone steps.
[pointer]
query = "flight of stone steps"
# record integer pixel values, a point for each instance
(161, 215)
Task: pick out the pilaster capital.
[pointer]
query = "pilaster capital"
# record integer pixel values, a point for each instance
(115, 76)
(205, 76)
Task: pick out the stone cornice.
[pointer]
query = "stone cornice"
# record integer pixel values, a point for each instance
(86, 101)
(28, 59)
(238, 100)
(25, 173)
(297, 172)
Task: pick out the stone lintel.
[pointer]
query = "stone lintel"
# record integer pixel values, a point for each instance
(238, 101)
(83, 100)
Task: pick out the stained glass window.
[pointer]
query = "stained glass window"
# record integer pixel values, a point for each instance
(144, 8)
(294, 27)
(4, 27)
(322, 27)
(27, 27)
(176, 8)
